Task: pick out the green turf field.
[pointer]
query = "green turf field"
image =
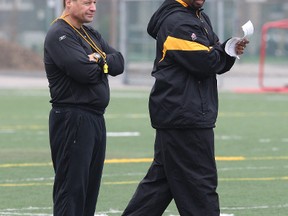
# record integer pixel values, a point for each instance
(251, 149)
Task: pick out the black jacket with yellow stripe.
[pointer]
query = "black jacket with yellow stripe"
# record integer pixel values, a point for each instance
(188, 58)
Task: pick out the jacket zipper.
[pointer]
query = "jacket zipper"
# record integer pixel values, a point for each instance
(198, 14)
(201, 98)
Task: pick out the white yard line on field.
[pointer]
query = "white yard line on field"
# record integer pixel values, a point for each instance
(29, 211)
(123, 134)
(40, 179)
(36, 211)
(48, 179)
(256, 207)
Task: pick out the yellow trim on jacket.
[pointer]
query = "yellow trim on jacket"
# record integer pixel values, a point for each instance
(178, 44)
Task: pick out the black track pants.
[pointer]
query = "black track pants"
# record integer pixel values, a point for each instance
(183, 169)
(77, 141)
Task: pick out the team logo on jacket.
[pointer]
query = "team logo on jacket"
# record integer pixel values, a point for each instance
(62, 37)
(193, 36)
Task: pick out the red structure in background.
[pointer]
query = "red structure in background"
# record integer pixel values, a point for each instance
(281, 24)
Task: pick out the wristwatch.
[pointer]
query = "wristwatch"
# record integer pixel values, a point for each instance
(97, 57)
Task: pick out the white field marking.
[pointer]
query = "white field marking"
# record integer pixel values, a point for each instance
(11, 212)
(146, 160)
(111, 211)
(26, 165)
(224, 169)
(256, 207)
(220, 215)
(23, 214)
(51, 179)
(28, 211)
(123, 174)
(25, 211)
(264, 140)
(128, 116)
(228, 137)
(245, 168)
(275, 149)
(123, 134)
(28, 208)
(110, 134)
(40, 179)
(35, 184)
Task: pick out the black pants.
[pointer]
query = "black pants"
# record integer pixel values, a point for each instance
(183, 169)
(77, 141)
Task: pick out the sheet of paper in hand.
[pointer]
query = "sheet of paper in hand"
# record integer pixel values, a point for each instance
(248, 30)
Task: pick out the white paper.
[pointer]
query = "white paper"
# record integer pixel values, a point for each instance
(248, 29)
(230, 47)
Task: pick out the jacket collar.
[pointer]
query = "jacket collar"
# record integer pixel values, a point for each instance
(182, 3)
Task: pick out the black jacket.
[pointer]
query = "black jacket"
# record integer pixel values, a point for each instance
(188, 58)
(73, 79)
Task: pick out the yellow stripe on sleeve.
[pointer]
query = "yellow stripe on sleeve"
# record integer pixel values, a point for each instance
(173, 43)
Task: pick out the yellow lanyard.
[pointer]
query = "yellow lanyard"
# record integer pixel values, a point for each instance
(90, 42)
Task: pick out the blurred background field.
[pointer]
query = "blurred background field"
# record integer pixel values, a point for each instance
(251, 152)
(123, 23)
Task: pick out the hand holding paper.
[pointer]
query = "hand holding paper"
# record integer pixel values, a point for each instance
(236, 45)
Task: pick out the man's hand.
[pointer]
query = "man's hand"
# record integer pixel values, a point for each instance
(91, 58)
(95, 57)
(240, 46)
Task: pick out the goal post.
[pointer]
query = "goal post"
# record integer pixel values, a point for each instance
(263, 72)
